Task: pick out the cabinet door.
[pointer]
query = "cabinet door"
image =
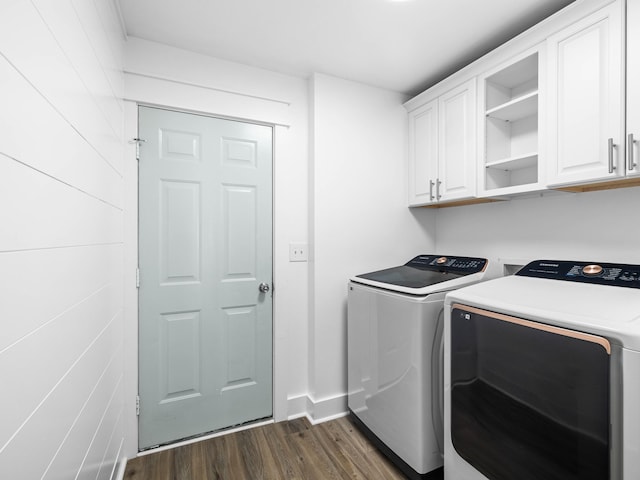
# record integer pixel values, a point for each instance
(457, 143)
(633, 87)
(423, 154)
(585, 99)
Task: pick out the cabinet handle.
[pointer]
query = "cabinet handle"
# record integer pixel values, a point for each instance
(431, 190)
(611, 146)
(630, 160)
(438, 182)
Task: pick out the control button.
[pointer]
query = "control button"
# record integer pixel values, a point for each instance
(441, 260)
(592, 270)
(629, 276)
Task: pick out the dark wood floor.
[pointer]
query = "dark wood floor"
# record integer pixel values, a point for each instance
(293, 450)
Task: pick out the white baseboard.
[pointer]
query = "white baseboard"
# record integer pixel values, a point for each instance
(298, 407)
(317, 411)
(121, 469)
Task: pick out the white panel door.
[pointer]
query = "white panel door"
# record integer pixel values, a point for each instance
(205, 247)
(423, 154)
(585, 99)
(633, 87)
(457, 143)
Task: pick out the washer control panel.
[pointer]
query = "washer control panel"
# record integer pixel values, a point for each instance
(614, 274)
(463, 265)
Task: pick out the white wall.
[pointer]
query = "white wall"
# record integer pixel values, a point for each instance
(596, 226)
(358, 215)
(61, 241)
(159, 75)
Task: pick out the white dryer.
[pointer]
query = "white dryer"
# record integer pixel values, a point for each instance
(395, 372)
(542, 375)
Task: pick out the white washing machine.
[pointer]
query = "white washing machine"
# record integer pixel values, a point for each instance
(395, 372)
(542, 375)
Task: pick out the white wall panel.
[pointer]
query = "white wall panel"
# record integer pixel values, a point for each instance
(109, 15)
(44, 284)
(108, 96)
(359, 216)
(71, 23)
(595, 227)
(61, 248)
(71, 413)
(33, 139)
(201, 99)
(46, 356)
(31, 47)
(115, 446)
(250, 92)
(97, 448)
(51, 213)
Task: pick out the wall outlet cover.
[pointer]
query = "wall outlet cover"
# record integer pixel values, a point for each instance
(298, 252)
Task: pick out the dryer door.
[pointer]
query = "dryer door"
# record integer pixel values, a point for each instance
(529, 400)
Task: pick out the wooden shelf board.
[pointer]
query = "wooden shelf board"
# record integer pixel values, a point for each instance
(460, 203)
(607, 185)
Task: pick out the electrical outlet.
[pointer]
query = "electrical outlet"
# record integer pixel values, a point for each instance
(298, 252)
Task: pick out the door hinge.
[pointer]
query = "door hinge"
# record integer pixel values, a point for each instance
(137, 405)
(137, 141)
(137, 278)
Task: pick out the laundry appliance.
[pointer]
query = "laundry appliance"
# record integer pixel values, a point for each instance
(542, 374)
(395, 370)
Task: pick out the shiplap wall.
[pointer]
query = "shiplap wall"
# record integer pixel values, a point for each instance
(61, 231)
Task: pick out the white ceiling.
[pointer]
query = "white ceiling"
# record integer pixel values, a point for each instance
(400, 45)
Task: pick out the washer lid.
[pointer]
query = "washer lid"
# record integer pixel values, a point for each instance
(423, 271)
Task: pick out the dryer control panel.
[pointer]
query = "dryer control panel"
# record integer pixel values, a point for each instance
(614, 274)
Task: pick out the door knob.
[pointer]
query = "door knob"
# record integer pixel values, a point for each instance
(263, 287)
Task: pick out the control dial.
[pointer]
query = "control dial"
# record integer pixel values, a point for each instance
(441, 260)
(591, 270)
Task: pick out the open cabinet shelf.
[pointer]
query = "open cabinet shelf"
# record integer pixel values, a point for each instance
(511, 103)
(518, 162)
(516, 109)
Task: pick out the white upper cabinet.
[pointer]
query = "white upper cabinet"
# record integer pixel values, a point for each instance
(442, 147)
(423, 153)
(633, 88)
(545, 110)
(585, 99)
(510, 133)
(457, 143)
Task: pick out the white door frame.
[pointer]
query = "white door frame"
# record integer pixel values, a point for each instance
(130, 313)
